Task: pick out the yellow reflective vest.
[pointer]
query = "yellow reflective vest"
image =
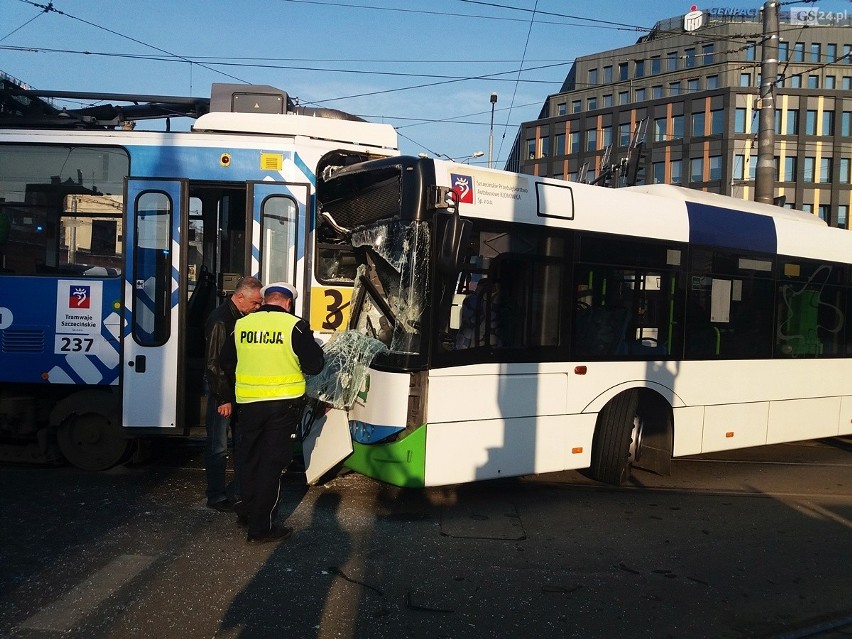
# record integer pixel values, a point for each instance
(267, 366)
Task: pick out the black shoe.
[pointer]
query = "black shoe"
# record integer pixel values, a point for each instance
(242, 520)
(276, 533)
(224, 506)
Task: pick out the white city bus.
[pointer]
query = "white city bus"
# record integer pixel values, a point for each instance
(115, 245)
(533, 325)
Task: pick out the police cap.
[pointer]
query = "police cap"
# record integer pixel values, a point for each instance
(280, 287)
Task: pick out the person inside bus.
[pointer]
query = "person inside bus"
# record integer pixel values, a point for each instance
(218, 329)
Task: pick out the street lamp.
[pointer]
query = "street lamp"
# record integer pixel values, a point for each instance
(475, 154)
(491, 134)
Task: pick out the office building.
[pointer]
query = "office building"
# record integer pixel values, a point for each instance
(689, 90)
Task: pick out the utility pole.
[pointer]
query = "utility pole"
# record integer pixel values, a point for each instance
(764, 183)
(491, 134)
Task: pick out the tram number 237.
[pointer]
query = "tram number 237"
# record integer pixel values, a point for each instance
(330, 309)
(67, 344)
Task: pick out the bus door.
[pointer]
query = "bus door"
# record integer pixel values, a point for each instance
(152, 389)
(281, 232)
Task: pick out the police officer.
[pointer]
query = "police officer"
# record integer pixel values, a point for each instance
(270, 354)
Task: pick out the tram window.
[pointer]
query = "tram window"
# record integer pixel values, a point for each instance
(278, 228)
(152, 274)
(60, 210)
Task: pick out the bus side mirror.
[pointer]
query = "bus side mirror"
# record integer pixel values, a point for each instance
(453, 240)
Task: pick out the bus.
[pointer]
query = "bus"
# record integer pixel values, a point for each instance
(530, 325)
(116, 243)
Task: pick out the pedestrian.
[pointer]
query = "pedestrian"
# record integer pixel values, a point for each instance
(218, 329)
(270, 354)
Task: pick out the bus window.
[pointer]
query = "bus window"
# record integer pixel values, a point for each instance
(811, 321)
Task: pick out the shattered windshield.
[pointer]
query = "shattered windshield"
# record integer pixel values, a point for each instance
(391, 284)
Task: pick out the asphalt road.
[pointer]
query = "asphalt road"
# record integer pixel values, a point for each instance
(754, 543)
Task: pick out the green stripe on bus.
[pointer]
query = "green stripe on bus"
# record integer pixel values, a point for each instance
(400, 463)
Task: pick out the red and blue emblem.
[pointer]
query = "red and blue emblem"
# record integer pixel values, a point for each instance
(463, 185)
(79, 297)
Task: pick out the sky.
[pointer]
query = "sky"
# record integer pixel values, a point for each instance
(427, 67)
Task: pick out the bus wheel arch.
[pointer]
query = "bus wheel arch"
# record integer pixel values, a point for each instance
(633, 429)
(89, 430)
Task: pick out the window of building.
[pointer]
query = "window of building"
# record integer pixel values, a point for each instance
(606, 136)
(659, 169)
(671, 61)
(810, 122)
(844, 175)
(674, 87)
(715, 167)
(813, 82)
(591, 140)
(783, 51)
(842, 216)
(531, 148)
(690, 57)
(590, 176)
(824, 211)
(717, 122)
(656, 65)
(559, 144)
(712, 81)
(830, 82)
(624, 97)
(660, 134)
(796, 81)
(815, 52)
(607, 74)
(790, 166)
(707, 54)
(846, 123)
(692, 85)
(745, 79)
(623, 71)
(607, 100)
(777, 121)
(624, 134)
(798, 52)
(846, 83)
(828, 123)
(640, 95)
(825, 170)
(831, 52)
(677, 127)
(545, 147)
(779, 80)
(792, 122)
(740, 121)
(593, 77)
(750, 51)
(808, 208)
(574, 141)
(676, 168)
(639, 69)
(752, 166)
(698, 124)
(657, 92)
(561, 108)
(808, 169)
(696, 170)
(592, 104)
(576, 106)
(738, 168)
(847, 53)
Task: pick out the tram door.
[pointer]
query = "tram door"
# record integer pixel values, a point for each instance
(157, 211)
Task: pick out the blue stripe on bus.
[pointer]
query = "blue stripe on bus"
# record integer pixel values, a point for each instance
(726, 228)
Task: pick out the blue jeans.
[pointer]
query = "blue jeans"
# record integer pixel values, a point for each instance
(216, 455)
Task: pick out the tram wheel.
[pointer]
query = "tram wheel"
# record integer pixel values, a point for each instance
(616, 440)
(92, 441)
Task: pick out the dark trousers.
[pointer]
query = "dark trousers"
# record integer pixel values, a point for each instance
(265, 450)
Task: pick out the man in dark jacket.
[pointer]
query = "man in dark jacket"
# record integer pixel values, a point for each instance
(217, 330)
(268, 357)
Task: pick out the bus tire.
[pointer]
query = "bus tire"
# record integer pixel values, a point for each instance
(92, 441)
(614, 434)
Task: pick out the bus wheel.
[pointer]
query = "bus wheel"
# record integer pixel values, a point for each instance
(617, 438)
(92, 441)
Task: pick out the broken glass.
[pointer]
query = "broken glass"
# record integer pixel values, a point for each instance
(347, 361)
